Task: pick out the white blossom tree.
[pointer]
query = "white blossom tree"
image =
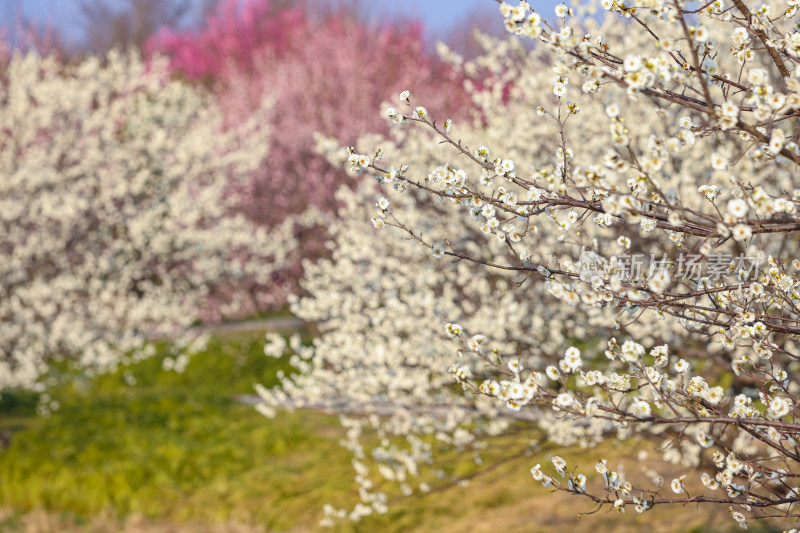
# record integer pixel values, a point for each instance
(608, 250)
(115, 226)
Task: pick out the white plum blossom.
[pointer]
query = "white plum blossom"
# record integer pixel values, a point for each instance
(677, 178)
(116, 230)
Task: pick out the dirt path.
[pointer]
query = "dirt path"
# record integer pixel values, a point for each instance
(282, 324)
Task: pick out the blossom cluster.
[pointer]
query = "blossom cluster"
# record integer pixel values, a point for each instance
(116, 230)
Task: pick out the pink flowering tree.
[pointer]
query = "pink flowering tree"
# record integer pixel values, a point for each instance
(326, 79)
(232, 32)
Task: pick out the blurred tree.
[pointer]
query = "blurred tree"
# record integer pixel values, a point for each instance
(481, 18)
(115, 229)
(121, 23)
(107, 26)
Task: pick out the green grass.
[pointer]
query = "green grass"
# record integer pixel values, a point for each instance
(173, 446)
(180, 449)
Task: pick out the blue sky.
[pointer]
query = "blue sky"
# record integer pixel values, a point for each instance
(440, 16)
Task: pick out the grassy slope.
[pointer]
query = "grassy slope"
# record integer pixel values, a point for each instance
(176, 452)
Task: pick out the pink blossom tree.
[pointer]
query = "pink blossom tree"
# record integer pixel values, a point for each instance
(327, 78)
(232, 32)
